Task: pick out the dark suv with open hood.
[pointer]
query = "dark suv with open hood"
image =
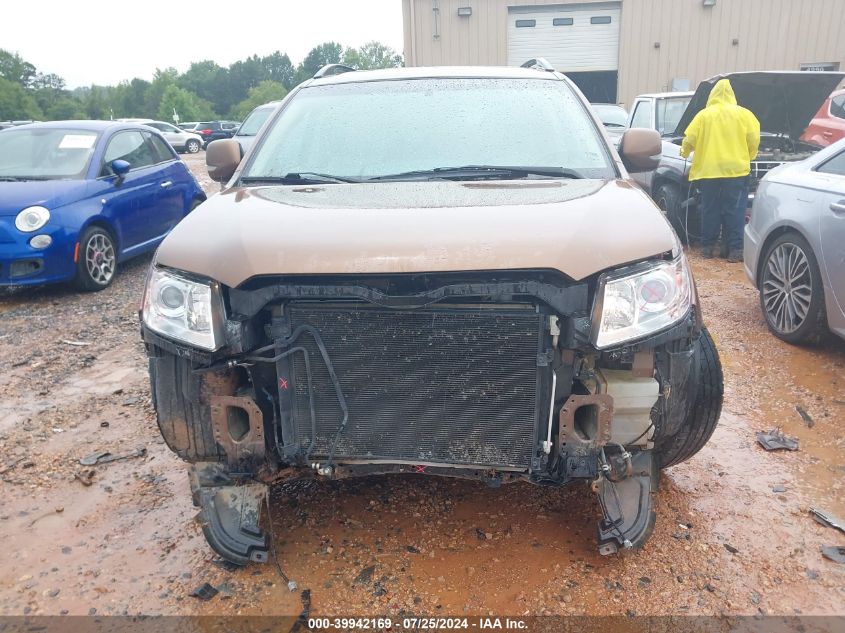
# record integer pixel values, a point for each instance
(441, 271)
(783, 101)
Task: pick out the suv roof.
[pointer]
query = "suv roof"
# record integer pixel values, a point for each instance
(436, 72)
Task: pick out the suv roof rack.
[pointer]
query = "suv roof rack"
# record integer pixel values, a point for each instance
(333, 69)
(539, 64)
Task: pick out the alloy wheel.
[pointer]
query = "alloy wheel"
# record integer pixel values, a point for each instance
(100, 259)
(787, 287)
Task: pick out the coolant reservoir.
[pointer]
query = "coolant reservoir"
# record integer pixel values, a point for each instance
(633, 399)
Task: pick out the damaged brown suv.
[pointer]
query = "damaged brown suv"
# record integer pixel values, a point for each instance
(436, 271)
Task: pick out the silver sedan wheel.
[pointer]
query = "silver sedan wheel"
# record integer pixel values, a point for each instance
(100, 259)
(787, 287)
(193, 147)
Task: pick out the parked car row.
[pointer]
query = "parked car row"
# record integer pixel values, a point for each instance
(211, 130)
(181, 140)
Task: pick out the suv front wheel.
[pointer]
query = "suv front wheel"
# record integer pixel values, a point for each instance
(703, 414)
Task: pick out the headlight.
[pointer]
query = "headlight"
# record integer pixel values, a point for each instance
(31, 219)
(642, 301)
(183, 309)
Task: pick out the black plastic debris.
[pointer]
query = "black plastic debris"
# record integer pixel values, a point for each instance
(480, 534)
(204, 592)
(365, 577)
(827, 520)
(805, 416)
(775, 440)
(104, 457)
(411, 549)
(834, 553)
(225, 565)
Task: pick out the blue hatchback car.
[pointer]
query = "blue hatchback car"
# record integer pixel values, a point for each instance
(77, 198)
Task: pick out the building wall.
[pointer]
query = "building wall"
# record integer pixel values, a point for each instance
(695, 42)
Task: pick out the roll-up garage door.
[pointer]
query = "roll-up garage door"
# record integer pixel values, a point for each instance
(574, 38)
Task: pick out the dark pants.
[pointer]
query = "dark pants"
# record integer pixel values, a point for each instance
(723, 201)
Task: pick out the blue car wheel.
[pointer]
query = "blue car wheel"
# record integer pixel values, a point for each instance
(97, 260)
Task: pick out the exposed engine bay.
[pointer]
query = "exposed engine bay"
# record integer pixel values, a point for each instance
(451, 375)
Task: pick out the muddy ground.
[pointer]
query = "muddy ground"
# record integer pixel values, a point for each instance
(733, 533)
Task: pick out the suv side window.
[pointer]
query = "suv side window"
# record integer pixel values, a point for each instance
(161, 148)
(156, 125)
(643, 115)
(130, 146)
(837, 107)
(835, 165)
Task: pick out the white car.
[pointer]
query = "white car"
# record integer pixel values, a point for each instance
(180, 140)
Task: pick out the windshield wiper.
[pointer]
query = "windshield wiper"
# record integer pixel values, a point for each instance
(302, 178)
(483, 171)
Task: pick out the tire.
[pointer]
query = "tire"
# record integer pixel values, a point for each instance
(705, 411)
(791, 291)
(96, 264)
(668, 198)
(193, 146)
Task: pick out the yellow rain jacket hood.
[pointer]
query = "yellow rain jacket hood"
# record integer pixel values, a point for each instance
(723, 138)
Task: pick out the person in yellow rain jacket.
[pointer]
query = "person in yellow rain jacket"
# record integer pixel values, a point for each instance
(723, 139)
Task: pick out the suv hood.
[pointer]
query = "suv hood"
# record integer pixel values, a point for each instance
(579, 227)
(783, 101)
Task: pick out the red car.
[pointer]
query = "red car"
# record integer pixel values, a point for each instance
(828, 126)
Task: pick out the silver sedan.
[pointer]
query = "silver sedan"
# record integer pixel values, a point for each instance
(795, 246)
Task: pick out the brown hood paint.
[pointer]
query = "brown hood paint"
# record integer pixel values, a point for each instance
(578, 227)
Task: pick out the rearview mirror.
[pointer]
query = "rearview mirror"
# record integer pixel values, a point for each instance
(120, 167)
(640, 149)
(222, 158)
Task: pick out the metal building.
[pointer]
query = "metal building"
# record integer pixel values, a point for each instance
(617, 50)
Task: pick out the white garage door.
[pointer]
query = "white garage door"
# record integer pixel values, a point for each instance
(573, 38)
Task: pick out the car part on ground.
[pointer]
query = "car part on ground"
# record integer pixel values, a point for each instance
(77, 198)
(795, 246)
(446, 316)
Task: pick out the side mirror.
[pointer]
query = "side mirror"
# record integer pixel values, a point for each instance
(640, 149)
(120, 167)
(222, 158)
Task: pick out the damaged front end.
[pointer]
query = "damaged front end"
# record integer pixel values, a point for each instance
(497, 377)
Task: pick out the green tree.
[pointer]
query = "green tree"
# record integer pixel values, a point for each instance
(65, 108)
(97, 104)
(162, 80)
(372, 55)
(279, 68)
(186, 104)
(208, 81)
(262, 93)
(14, 68)
(319, 56)
(243, 75)
(17, 103)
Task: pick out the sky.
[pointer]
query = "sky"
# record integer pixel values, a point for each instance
(95, 42)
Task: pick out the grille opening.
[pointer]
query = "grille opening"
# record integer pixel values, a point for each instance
(237, 423)
(587, 421)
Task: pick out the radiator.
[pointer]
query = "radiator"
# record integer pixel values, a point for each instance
(452, 386)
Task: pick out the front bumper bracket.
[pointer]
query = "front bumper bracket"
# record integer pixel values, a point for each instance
(628, 507)
(230, 514)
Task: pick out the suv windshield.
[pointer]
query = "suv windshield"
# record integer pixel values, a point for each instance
(45, 153)
(254, 121)
(376, 129)
(669, 112)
